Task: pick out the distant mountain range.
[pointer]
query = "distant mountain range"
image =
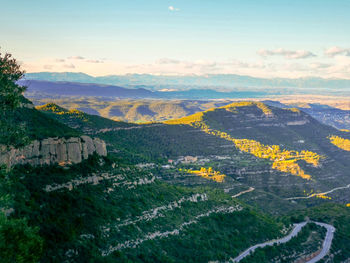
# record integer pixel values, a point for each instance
(54, 89)
(337, 118)
(186, 82)
(151, 105)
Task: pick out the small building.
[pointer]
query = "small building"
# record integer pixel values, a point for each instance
(190, 159)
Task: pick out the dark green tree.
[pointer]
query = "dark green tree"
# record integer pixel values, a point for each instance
(11, 132)
(18, 241)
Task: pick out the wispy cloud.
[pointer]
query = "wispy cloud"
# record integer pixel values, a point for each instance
(49, 67)
(94, 61)
(59, 60)
(167, 61)
(173, 9)
(338, 68)
(289, 54)
(69, 66)
(335, 51)
(76, 57)
(320, 65)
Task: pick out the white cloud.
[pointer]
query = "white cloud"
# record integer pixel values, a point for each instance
(49, 67)
(76, 57)
(173, 9)
(167, 61)
(246, 65)
(60, 60)
(69, 66)
(339, 68)
(289, 54)
(320, 65)
(335, 51)
(94, 61)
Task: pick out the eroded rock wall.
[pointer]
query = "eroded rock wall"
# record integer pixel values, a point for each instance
(53, 150)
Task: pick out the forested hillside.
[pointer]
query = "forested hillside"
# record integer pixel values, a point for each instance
(283, 152)
(276, 160)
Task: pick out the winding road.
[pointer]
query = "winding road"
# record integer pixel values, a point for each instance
(244, 192)
(297, 227)
(127, 128)
(315, 194)
(327, 242)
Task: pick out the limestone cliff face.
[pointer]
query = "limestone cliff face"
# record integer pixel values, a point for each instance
(53, 151)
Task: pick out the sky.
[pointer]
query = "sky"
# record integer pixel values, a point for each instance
(262, 38)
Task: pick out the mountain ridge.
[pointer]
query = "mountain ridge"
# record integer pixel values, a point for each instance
(229, 80)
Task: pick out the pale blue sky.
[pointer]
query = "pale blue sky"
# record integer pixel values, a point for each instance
(133, 34)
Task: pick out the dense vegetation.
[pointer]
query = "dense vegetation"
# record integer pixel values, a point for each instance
(80, 120)
(283, 160)
(302, 150)
(82, 222)
(10, 99)
(161, 142)
(39, 126)
(107, 210)
(19, 242)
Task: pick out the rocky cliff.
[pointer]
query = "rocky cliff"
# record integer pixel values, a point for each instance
(53, 151)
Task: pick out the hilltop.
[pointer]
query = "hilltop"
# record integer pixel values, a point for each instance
(79, 120)
(132, 110)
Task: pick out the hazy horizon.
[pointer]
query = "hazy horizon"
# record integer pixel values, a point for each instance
(286, 39)
(186, 75)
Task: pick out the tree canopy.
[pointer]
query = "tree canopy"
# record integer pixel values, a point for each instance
(11, 132)
(10, 92)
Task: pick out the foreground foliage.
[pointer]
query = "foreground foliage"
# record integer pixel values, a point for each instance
(19, 242)
(10, 99)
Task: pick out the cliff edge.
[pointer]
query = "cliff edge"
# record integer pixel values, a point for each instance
(53, 151)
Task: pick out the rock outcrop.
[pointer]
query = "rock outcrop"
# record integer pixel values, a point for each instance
(53, 151)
